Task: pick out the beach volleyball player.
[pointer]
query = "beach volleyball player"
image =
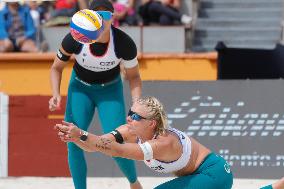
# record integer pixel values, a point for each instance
(99, 49)
(147, 137)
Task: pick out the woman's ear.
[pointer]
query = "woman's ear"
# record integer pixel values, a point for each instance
(153, 124)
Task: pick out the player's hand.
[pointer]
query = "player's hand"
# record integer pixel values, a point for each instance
(54, 103)
(68, 132)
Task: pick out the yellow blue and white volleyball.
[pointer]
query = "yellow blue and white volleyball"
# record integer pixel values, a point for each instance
(86, 26)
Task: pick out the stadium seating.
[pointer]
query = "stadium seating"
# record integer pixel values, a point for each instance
(239, 23)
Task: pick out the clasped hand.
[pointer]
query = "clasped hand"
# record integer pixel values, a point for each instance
(68, 132)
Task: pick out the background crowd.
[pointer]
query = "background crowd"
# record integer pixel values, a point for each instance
(20, 21)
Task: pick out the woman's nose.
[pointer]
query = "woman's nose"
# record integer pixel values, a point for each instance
(128, 119)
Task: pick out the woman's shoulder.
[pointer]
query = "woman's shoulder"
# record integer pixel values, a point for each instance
(70, 45)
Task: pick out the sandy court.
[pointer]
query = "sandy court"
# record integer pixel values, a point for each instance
(105, 183)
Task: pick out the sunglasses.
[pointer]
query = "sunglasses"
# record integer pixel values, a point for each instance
(106, 15)
(135, 116)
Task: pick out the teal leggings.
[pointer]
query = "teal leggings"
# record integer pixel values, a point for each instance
(267, 187)
(82, 100)
(213, 173)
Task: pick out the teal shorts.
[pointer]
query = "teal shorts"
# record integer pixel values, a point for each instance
(213, 173)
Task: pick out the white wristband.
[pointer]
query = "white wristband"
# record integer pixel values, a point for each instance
(147, 150)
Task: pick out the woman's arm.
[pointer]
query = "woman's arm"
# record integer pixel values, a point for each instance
(55, 79)
(162, 149)
(127, 50)
(68, 47)
(135, 83)
(105, 144)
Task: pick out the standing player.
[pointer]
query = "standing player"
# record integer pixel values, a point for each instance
(147, 137)
(96, 83)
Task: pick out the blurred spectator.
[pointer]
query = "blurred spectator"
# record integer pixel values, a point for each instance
(17, 30)
(64, 10)
(124, 13)
(68, 7)
(164, 12)
(44, 8)
(35, 11)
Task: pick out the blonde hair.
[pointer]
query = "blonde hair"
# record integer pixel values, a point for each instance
(156, 112)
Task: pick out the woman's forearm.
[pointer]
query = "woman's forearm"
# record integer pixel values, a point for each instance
(55, 79)
(135, 87)
(56, 75)
(84, 146)
(104, 144)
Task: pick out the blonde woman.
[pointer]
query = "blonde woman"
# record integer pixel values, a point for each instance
(147, 137)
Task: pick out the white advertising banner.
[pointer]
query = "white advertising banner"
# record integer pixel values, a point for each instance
(4, 101)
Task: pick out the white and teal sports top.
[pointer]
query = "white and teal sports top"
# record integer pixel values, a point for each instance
(181, 162)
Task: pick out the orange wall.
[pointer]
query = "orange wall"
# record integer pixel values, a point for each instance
(178, 69)
(28, 78)
(28, 74)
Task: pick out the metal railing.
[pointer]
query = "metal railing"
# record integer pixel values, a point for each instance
(282, 24)
(194, 8)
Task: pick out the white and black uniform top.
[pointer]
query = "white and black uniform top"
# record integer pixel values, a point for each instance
(99, 62)
(181, 162)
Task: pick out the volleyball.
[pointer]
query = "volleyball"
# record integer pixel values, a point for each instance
(86, 26)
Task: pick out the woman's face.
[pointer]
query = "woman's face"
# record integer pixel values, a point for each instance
(107, 19)
(107, 26)
(137, 119)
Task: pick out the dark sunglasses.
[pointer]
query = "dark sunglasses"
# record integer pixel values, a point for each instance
(106, 15)
(135, 116)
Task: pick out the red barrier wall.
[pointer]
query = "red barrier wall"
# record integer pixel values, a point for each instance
(34, 148)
